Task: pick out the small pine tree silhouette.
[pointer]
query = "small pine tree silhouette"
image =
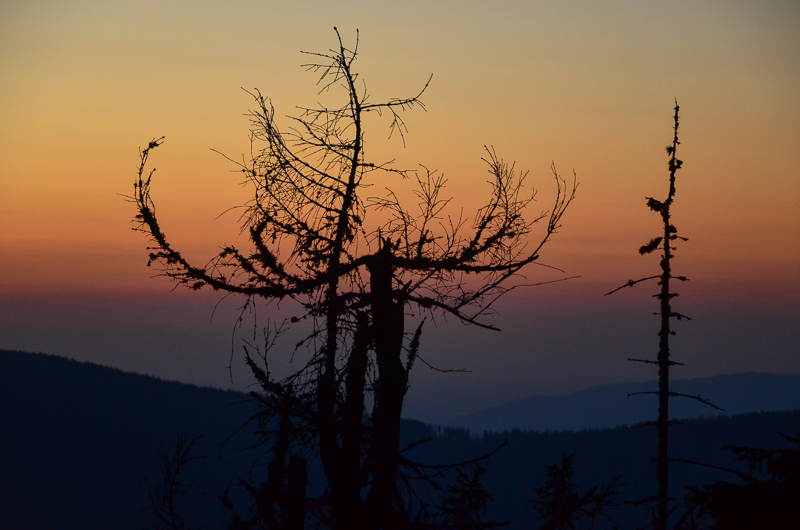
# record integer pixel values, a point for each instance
(466, 501)
(561, 504)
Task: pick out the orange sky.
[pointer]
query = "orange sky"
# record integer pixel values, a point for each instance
(589, 85)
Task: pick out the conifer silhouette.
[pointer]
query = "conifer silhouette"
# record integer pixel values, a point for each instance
(562, 505)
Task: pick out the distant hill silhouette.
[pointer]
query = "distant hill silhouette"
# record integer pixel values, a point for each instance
(76, 439)
(608, 406)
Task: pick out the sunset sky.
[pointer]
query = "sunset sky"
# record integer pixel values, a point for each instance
(589, 86)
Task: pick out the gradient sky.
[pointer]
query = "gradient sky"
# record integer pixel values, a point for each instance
(588, 85)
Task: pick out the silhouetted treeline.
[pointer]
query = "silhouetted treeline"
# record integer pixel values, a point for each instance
(77, 439)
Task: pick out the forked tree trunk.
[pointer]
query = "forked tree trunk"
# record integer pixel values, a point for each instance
(384, 458)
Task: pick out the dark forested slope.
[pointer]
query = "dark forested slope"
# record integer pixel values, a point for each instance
(76, 438)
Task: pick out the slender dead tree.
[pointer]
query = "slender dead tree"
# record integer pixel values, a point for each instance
(356, 282)
(172, 485)
(664, 242)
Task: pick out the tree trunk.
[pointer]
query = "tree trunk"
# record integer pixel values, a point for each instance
(387, 322)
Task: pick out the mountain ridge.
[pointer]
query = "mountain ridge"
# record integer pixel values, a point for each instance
(608, 406)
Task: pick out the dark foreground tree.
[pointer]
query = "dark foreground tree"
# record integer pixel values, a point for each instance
(562, 505)
(767, 494)
(664, 242)
(357, 282)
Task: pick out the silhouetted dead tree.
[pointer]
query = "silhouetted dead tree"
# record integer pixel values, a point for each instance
(280, 502)
(310, 244)
(664, 243)
(164, 494)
